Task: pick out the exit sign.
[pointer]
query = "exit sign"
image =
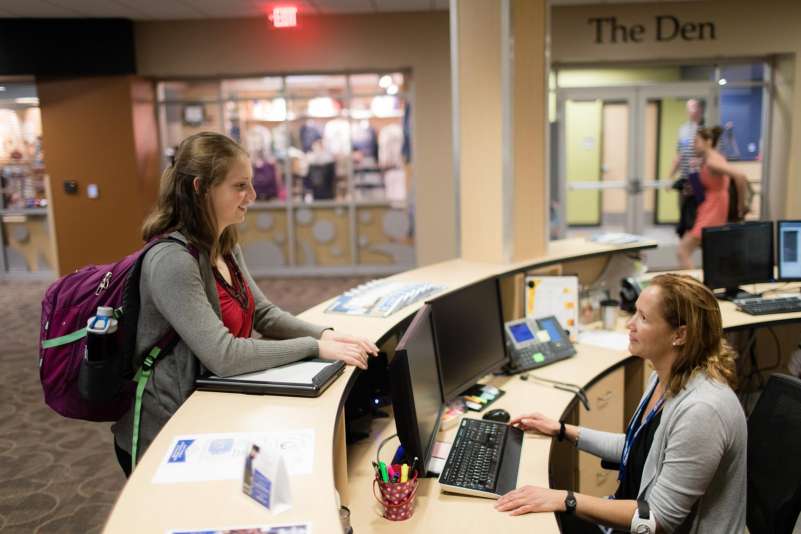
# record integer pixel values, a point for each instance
(284, 17)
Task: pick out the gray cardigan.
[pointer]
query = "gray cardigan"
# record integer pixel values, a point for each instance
(179, 291)
(695, 473)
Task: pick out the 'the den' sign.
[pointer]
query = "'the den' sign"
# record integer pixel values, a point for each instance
(665, 28)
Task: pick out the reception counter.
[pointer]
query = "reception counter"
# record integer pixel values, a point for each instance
(344, 472)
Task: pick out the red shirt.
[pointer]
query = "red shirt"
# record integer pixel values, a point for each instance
(235, 317)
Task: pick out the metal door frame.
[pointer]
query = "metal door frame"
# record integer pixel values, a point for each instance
(636, 96)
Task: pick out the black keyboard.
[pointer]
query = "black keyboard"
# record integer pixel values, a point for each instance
(762, 306)
(483, 460)
(538, 354)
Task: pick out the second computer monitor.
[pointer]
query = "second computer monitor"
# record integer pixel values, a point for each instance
(736, 254)
(468, 328)
(789, 247)
(416, 394)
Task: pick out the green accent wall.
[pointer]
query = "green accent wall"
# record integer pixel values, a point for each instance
(605, 77)
(583, 160)
(672, 114)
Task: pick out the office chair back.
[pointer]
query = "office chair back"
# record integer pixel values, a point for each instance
(774, 458)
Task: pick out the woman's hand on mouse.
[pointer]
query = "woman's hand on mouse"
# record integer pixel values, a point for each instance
(536, 422)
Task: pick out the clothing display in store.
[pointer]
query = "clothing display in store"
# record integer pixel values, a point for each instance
(265, 180)
(309, 133)
(390, 146)
(258, 141)
(364, 139)
(336, 137)
(321, 181)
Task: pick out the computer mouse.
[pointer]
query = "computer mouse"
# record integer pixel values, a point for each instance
(498, 414)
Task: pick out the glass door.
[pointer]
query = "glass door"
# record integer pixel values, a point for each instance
(596, 160)
(616, 149)
(668, 115)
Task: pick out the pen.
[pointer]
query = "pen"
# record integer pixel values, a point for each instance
(414, 463)
(383, 467)
(376, 470)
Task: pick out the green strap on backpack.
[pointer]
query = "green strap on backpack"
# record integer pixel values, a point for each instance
(141, 378)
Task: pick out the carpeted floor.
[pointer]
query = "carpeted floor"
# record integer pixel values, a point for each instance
(57, 474)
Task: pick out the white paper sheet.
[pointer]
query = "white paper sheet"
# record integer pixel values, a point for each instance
(295, 373)
(203, 457)
(296, 528)
(605, 339)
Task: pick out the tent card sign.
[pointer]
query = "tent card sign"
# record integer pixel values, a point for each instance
(265, 478)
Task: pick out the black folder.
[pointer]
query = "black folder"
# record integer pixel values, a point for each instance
(306, 378)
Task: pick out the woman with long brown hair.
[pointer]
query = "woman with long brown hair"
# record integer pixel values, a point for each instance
(714, 174)
(209, 297)
(683, 456)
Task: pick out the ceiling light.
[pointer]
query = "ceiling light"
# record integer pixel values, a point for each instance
(385, 81)
(392, 89)
(723, 81)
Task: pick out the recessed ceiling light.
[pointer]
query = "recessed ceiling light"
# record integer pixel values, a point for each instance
(723, 81)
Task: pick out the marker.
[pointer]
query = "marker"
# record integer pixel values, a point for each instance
(391, 473)
(404, 473)
(383, 468)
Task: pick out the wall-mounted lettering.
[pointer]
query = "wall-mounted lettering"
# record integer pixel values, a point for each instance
(666, 28)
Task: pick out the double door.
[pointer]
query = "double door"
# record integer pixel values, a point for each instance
(616, 147)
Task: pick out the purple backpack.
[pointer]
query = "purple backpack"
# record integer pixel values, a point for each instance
(67, 306)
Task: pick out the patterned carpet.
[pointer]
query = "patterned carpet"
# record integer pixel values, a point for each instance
(61, 475)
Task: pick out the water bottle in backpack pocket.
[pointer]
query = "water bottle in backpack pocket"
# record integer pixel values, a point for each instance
(99, 378)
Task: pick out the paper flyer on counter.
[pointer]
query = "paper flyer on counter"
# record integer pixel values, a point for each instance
(299, 528)
(206, 457)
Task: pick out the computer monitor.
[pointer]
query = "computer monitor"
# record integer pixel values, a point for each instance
(788, 237)
(468, 328)
(736, 254)
(416, 393)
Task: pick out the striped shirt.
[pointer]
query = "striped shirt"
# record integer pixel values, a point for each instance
(686, 147)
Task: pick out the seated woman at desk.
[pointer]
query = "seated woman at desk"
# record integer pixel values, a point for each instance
(684, 451)
(210, 301)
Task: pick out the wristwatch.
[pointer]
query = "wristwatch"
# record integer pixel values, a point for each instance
(570, 503)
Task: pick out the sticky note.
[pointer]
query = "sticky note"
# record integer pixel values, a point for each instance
(543, 336)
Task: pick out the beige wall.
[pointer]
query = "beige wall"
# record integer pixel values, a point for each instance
(743, 28)
(419, 41)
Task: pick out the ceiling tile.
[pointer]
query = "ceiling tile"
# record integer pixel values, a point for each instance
(329, 7)
(388, 6)
(100, 8)
(38, 8)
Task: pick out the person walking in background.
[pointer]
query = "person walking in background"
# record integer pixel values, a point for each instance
(685, 154)
(714, 175)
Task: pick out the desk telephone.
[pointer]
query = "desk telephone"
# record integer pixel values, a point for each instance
(532, 343)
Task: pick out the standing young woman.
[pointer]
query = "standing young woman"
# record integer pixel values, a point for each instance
(211, 302)
(715, 173)
(684, 451)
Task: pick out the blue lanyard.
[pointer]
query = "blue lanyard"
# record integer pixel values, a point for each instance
(631, 434)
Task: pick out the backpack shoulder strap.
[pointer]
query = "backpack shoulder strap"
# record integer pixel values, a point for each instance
(163, 346)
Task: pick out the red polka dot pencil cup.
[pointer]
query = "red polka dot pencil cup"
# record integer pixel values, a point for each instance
(398, 488)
